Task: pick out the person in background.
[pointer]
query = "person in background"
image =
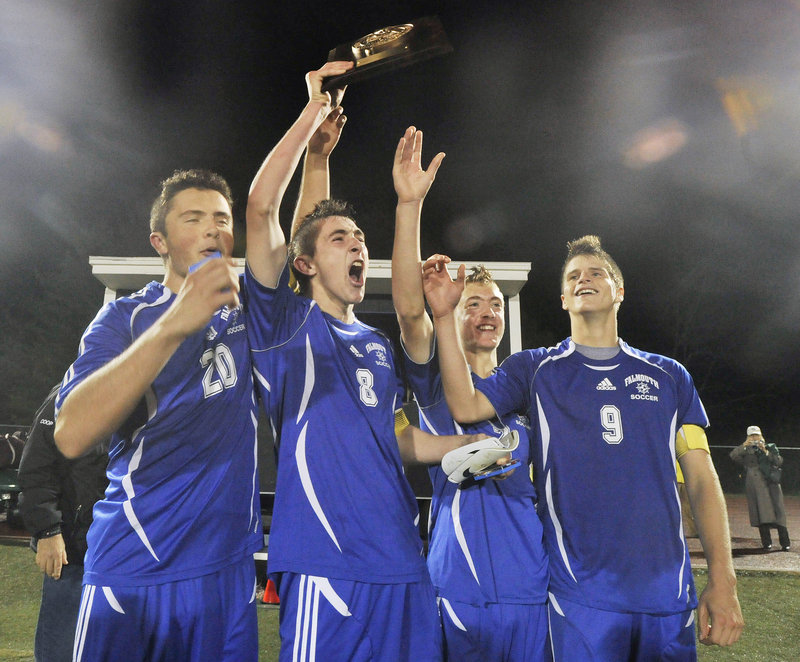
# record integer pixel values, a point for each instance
(762, 463)
(56, 506)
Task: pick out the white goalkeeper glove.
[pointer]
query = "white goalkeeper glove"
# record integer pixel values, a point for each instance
(464, 462)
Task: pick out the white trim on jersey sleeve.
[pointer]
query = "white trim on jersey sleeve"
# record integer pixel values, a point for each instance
(164, 297)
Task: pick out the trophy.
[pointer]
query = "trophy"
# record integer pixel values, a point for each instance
(389, 48)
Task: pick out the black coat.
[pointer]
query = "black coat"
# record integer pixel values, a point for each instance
(57, 492)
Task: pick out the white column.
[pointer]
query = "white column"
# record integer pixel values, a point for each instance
(514, 324)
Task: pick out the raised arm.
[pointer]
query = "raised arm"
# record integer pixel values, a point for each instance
(266, 243)
(466, 404)
(100, 404)
(315, 184)
(411, 184)
(719, 616)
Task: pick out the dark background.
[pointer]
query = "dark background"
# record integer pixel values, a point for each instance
(668, 128)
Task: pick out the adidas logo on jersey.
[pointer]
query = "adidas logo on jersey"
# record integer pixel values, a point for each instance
(606, 385)
(356, 352)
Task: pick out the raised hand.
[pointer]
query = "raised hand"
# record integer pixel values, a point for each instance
(411, 182)
(327, 134)
(442, 292)
(314, 80)
(204, 291)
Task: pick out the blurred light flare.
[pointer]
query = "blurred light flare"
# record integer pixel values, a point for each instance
(745, 100)
(656, 143)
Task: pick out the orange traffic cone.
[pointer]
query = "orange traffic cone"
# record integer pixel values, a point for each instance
(270, 594)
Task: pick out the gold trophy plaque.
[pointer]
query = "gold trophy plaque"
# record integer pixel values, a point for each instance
(389, 48)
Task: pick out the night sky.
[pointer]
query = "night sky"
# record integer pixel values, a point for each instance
(669, 129)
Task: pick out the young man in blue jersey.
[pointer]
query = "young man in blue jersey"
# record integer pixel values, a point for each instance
(485, 556)
(609, 421)
(166, 373)
(344, 546)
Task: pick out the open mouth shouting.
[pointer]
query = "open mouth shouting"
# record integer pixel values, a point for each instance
(356, 273)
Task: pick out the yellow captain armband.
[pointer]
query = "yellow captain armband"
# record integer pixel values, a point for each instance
(689, 438)
(400, 422)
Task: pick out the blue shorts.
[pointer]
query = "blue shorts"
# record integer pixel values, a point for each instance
(585, 634)
(498, 632)
(338, 620)
(212, 617)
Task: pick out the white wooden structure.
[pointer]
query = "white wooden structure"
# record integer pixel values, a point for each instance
(122, 275)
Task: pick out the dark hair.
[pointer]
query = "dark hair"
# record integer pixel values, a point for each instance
(304, 240)
(179, 181)
(590, 245)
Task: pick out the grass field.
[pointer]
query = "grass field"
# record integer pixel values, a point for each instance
(770, 601)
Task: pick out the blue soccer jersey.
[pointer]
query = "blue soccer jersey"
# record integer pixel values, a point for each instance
(605, 459)
(343, 506)
(485, 538)
(183, 497)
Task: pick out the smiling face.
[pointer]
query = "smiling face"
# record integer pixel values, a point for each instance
(481, 319)
(589, 287)
(199, 222)
(338, 268)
